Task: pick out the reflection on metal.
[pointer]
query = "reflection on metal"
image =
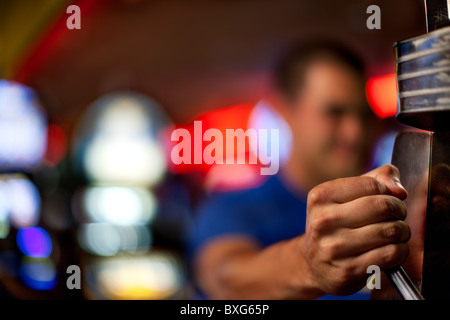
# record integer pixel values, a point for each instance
(404, 284)
(423, 159)
(411, 156)
(423, 80)
(436, 261)
(423, 84)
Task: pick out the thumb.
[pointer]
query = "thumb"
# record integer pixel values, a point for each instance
(389, 175)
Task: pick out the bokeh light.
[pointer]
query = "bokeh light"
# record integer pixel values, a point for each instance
(119, 205)
(23, 127)
(265, 117)
(105, 239)
(118, 140)
(24, 202)
(153, 276)
(382, 152)
(381, 94)
(34, 242)
(260, 117)
(222, 119)
(56, 145)
(38, 274)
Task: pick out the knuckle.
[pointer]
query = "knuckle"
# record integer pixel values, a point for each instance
(316, 195)
(385, 206)
(317, 223)
(322, 221)
(392, 170)
(373, 185)
(331, 249)
(347, 274)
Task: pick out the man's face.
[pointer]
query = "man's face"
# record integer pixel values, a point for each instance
(328, 121)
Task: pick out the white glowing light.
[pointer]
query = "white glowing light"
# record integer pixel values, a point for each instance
(99, 238)
(120, 205)
(125, 159)
(119, 139)
(264, 116)
(24, 202)
(104, 239)
(23, 134)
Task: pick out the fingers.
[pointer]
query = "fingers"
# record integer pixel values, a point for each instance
(368, 210)
(386, 257)
(351, 273)
(383, 180)
(353, 242)
(353, 223)
(346, 189)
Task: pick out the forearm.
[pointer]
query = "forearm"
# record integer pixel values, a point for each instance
(276, 272)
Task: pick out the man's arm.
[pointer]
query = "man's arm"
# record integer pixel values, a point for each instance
(234, 267)
(351, 223)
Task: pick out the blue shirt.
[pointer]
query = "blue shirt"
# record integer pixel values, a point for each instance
(269, 213)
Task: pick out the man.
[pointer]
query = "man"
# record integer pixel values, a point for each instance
(307, 232)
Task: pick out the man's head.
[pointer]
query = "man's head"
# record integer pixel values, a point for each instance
(322, 86)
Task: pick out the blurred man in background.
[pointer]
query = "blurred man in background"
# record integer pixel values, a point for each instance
(307, 231)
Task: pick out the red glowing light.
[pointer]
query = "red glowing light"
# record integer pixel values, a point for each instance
(382, 95)
(56, 145)
(233, 117)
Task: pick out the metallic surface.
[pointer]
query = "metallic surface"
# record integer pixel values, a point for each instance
(403, 284)
(411, 155)
(436, 259)
(423, 80)
(423, 159)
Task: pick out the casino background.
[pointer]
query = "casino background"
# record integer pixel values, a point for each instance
(86, 116)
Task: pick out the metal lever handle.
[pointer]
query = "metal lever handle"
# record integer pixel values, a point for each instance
(403, 284)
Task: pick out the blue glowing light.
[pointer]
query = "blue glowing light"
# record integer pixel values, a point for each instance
(34, 242)
(265, 117)
(382, 153)
(38, 274)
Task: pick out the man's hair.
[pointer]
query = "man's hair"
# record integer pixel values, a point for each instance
(290, 72)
